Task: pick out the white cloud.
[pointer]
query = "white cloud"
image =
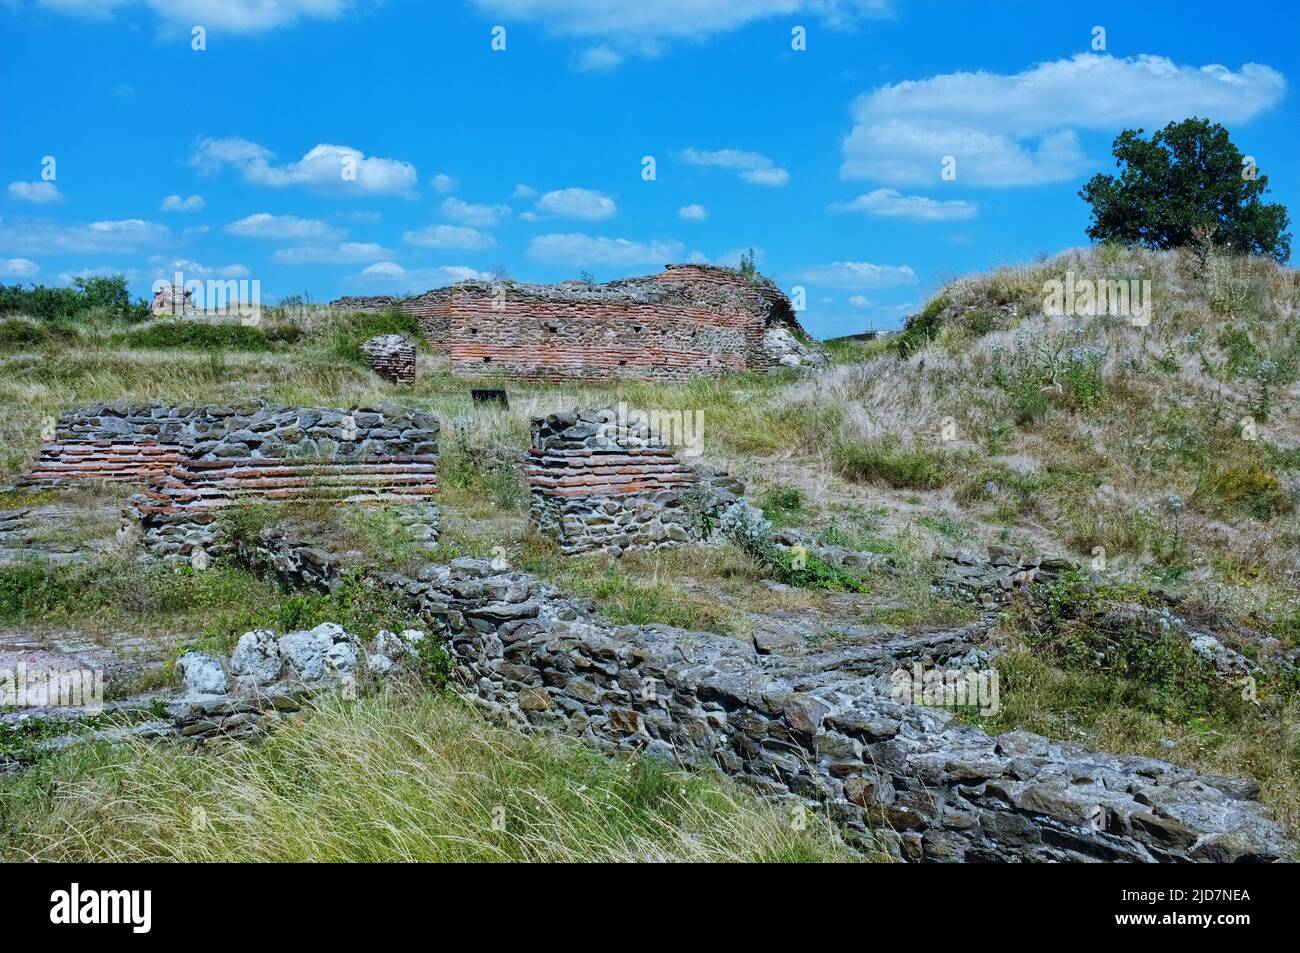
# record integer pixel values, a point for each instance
(129, 234)
(38, 193)
(233, 16)
(1023, 129)
(578, 249)
(457, 237)
(390, 276)
(860, 301)
(18, 268)
(857, 275)
(634, 26)
(331, 253)
(174, 203)
(523, 191)
(583, 204)
(890, 203)
(754, 168)
(478, 216)
(693, 213)
(168, 269)
(283, 228)
(599, 59)
(443, 183)
(326, 168)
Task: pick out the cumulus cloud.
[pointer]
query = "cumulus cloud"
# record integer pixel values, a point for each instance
(283, 228)
(174, 203)
(755, 168)
(18, 268)
(443, 184)
(234, 16)
(330, 254)
(579, 249)
(857, 275)
(477, 216)
(168, 269)
(326, 169)
(523, 191)
(37, 193)
(693, 213)
(390, 276)
(459, 237)
(130, 234)
(583, 204)
(890, 203)
(1023, 129)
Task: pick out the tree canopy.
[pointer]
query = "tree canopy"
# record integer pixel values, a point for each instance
(1186, 181)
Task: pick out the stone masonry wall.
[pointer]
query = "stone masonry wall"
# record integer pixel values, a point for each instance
(690, 320)
(822, 730)
(123, 442)
(392, 357)
(596, 487)
(378, 456)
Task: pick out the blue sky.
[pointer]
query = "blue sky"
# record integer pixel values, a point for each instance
(335, 147)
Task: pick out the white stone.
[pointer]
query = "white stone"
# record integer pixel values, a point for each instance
(203, 674)
(257, 656)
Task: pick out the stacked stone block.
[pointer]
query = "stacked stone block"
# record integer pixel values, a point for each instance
(392, 357)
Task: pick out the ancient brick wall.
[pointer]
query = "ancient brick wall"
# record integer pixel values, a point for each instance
(384, 456)
(598, 486)
(688, 321)
(392, 357)
(121, 442)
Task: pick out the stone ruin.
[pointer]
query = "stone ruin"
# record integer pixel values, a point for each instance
(171, 299)
(598, 483)
(688, 321)
(197, 461)
(392, 357)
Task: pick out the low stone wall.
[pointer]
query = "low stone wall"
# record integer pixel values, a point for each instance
(121, 442)
(392, 357)
(822, 730)
(378, 456)
(597, 487)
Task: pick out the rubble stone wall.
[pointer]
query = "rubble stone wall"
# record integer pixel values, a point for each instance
(392, 357)
(822, 730)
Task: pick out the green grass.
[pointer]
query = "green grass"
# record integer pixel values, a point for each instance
(389, 779)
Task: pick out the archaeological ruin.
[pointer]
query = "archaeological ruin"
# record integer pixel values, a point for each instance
(689, 320)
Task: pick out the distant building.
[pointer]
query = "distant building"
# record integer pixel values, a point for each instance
(170, 299)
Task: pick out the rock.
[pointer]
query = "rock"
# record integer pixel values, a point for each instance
(257, 657)
(323, 650)
(203, 674)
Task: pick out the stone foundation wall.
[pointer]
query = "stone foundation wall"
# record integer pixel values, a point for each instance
(822, 731)
(595, 488)
(688, 321)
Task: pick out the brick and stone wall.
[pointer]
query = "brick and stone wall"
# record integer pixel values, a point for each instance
(392, 357)
(122, 442)
(377, 456)
(598, 486)
(688, 321)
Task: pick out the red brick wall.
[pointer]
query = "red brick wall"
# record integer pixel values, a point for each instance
(685, 322)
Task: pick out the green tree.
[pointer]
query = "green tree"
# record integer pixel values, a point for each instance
(1187, 180)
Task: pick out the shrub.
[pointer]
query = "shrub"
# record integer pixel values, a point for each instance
(889, 461)
(1245, 487)
(193, 335)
